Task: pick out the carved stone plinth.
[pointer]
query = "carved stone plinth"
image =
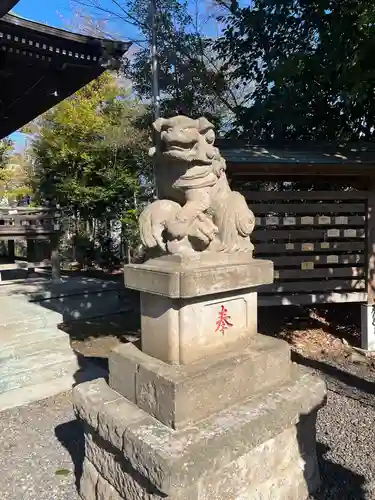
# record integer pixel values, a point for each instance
(200, 413)
(192, 308)
(207, 409)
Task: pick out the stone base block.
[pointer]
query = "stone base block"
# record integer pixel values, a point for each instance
(180, 395)
(194, 307)
(181, 331)
(260, 449)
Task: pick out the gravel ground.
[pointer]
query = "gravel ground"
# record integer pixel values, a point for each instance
(346, 447)
(345, 432)
(35, 463)
(38, 442)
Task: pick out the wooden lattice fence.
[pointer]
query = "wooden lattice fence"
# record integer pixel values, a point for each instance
(316, 239)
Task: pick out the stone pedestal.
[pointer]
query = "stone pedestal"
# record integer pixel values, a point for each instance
(182, 301)
(207, 409)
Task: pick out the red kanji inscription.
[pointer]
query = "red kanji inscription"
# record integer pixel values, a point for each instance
(223, 322)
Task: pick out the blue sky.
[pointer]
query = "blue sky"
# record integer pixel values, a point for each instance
(50, 12)
(59, 13)
(55, 13)
(44, 11)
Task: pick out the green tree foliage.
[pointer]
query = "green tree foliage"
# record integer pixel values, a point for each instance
(91, 159)
(6, 147)
(192, 78)
(15, 177)
(311, 63)
(89, 155)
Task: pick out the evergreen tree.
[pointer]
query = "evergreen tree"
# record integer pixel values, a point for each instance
(311, 66)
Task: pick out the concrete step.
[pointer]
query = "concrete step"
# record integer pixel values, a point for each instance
(9, 274)
(41, 289)
(18, 309)
(70, 287)
(14, 309)
(36, 359)
(31, 393)
(37, 346)
(87, 305)
(36, 368)
(10, 287)
(25, 333)
(48, 388)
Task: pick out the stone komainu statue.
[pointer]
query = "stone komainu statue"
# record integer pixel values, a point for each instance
(197, 211)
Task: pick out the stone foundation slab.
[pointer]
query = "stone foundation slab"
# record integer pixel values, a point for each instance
(262, 448)
(180, 395)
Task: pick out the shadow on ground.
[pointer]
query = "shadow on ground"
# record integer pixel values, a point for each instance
(75, 298)
(338, 482)
(96, 314)
(341, 320)
(71, 436)
(115, 325)
(336, 373)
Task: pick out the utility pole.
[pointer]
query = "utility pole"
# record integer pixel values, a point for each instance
(155, 81)
(154, 60)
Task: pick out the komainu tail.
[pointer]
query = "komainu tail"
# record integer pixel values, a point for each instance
(245, 220)
(236, 222)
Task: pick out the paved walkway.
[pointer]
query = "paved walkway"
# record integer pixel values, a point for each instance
(36, 358)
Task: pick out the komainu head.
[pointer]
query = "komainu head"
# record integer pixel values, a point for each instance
(185, 140)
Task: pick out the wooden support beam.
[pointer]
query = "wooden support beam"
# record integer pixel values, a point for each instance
(308, 208)
(307, 247)
(322, 286)
(322, 273)
(370, 240)
(302, 261)
(304, 195)
(11, 250)
(294, 234)
(312, 220)
(312, 298)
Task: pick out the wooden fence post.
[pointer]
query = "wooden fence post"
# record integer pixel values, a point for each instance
(11, 250)
(30, 252)
(55, 257)
(367, 310)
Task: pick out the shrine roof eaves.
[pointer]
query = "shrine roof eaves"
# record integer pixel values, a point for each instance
(104, 51)
(41, 65)
(294, 154)
(6, 6)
